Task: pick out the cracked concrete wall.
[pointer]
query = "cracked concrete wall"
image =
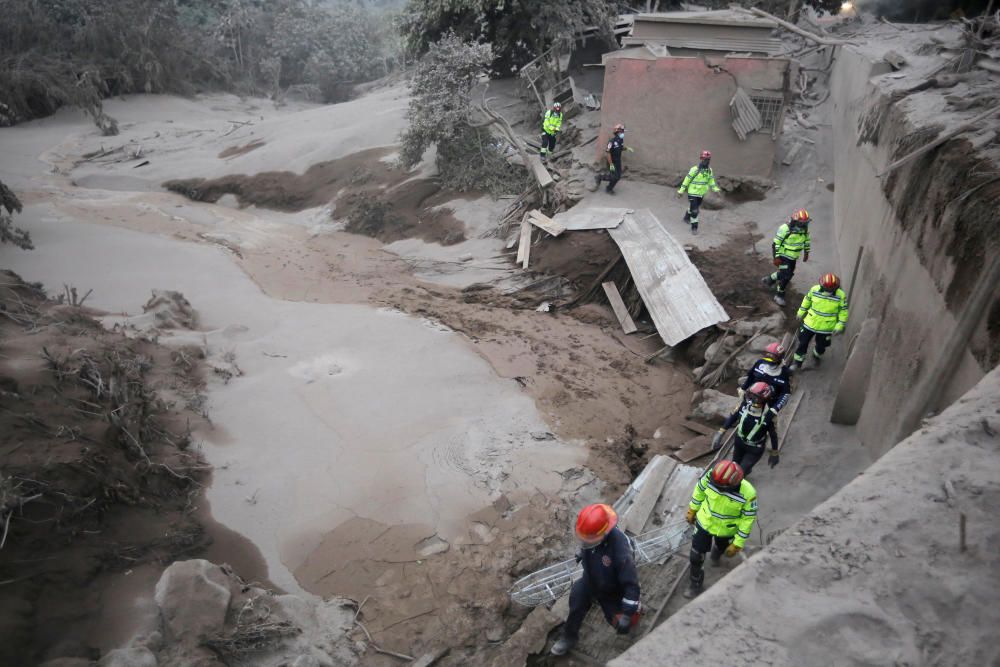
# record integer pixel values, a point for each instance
(907, 270)
(873, 576)
(668, 136)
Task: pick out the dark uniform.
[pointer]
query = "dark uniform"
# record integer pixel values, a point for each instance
(753, 424)
(615, 147)
(609, 578)
(780, 381)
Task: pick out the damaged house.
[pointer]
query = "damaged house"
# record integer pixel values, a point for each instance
(688, 81)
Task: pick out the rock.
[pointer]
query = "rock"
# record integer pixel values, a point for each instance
(895, 59)
(129, 657)
(773, 324)
(495, 633)
(760, 343)
(153, 641)
(193, 597)
(744, 360)
(713, 405)
(306, 661)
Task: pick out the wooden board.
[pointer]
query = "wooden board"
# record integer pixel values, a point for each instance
(524, 247)
(579, 219)
(694, 448)
(544, 222)
(541, 174)
(635, 517)
(617, 305)
(698, 428)
(674, 292)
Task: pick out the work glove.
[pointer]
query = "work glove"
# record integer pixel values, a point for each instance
(805, 257)
(732, 550)
(800, 316)
(716, 190)
(611, 168)
(622, 624)
(690, 516)
(717, 440)
(630, 149)
(777, 262)
(680, 193)
(838, 330)
(773, 459)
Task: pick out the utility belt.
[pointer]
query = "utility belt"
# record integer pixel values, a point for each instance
(751, 444)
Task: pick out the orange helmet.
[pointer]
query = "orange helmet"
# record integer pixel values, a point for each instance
(801, 216)
(594, 522)
(774, 352)
(829, 282)
(727, 473)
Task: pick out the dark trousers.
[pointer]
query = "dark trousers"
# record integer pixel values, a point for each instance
(614, 176)
(784, 274)
(580, 600)
(747, 456)
(548, 143)
(805, 335)
(701, 543)
(694, 205)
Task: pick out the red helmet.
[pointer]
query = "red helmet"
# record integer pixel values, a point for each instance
(760, 391)
(594, 522)
(801, 215)
(727, 473)
(619, 127)
(706, 155)
(829, 282)
(774, 352)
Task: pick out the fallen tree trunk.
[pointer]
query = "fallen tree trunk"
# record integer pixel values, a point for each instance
(825, 41)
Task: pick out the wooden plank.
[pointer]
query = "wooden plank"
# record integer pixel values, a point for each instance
(544, 222)
(524, 241)
(617, 305)
(542, 175)
(527, 245)
(695, 448)
(578, 219)
(674, 292)
(788, 423)
(635, 517)
(698, 428)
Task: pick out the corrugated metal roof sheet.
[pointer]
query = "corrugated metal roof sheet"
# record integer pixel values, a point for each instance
(675, 294)
(746, 115)
(768, 45)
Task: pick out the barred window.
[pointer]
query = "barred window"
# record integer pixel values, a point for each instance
(770, 112)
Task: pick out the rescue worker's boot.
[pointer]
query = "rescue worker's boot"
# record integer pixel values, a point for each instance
(768, 281)
(597, 181)
(563, 646)
(694, 225)
(817, 358)
(697, 573)
(716, 555)
(795, 365)
(687, 216)
(780, 299)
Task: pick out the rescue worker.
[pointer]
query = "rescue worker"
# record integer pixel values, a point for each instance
(723, 508)
(769, 369)
(754, 420)
(823, 314)
(616, 144)
(609, 576)
(696, 184)
(551, 126)
(791, 241)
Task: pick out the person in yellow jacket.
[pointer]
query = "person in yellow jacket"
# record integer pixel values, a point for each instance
(823, 313)
(696, 184)
(551, 126)
(722, 510)
(790, 242)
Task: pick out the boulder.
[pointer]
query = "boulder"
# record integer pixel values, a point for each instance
(760, 343)
(129, 657)
(773, 324)
(711, 405)
(193, 597)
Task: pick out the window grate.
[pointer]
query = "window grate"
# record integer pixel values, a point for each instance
(770, 112)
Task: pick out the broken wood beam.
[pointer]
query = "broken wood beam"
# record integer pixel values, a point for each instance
(524, 241)
(940, 140)
(695, 448)
(617, 305)
(825, 41)
(713, 378)
(700, 429)
(544, 222)
(788, 422)
(635, 517)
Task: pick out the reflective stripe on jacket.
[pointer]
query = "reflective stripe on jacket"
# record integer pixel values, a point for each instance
(822, 312)
(791, 241)
(552, 122)
(753, 425)
(725, 513)
(698, 181)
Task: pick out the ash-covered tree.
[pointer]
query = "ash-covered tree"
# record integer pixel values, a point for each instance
(468, 157)
(518, 30)
(9, 205)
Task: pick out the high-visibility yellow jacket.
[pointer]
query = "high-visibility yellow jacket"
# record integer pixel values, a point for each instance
(722, 512)
(698, 181)
(790, 241)
(823, 312)
(552, 122)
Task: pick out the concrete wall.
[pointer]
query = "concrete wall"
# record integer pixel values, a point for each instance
(873, 576)
(908, 275)
(676, 107)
